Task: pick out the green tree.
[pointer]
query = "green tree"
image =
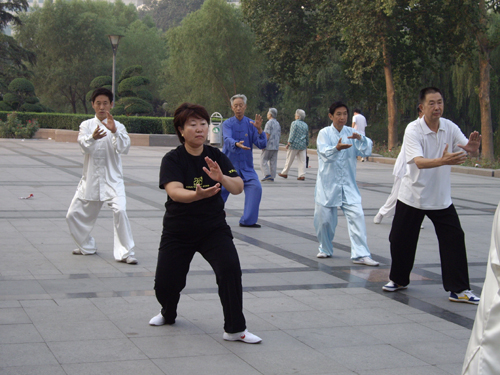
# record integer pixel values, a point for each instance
(482, 26)
(169, 13)
(13, 57)
(69, 60)
(211, 58)
(134, 97)
(21, 97)
(143, 45)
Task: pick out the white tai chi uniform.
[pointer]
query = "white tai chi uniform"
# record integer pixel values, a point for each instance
(398, 172)
(336, 187)
(102, 182)
(482, 356)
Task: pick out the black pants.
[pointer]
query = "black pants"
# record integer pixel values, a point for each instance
(218, 249)
(404, 237)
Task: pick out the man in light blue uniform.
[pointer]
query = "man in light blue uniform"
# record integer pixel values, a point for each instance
(240, 134)
(338, 149)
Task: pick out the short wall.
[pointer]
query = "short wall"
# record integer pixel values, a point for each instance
(60, 135)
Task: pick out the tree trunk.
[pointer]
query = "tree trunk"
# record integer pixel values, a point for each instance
(485, 106)
(391, 100)
(485, 49)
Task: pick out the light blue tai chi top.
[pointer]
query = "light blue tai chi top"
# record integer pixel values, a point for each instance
(234, 130)
(337, 169)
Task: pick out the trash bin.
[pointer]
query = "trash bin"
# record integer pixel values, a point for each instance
(215, 129)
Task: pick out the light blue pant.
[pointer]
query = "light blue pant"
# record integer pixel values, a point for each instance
(253, 195)
(325, 222)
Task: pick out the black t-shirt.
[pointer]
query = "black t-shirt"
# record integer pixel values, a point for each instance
(199, 216)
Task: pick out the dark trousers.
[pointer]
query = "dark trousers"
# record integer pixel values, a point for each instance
(404, 237)
(218, 249)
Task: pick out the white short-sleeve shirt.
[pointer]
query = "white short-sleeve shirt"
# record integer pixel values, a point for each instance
(429, 189)
(359, 123)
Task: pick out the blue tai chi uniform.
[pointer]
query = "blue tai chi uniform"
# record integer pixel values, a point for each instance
(234, 130)
(336, 187)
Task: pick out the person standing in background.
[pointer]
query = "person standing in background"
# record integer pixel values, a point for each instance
(297, 145)
(359, 123)
(240, 134)
(269, 156)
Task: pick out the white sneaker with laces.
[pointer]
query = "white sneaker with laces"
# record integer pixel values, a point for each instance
(378, 218)
(244, 336)
(367, 261)
(157, 320)
(322, 255)
(465, 296)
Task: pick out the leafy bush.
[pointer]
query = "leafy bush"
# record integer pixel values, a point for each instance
(14, 127)
(28, 107)
(101, 81)
(5, 107)
(21, 85)
(11, 99)
(134, 124)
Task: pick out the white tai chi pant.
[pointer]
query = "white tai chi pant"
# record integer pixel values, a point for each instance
(290, 156)
(325, 222)
(389, 208)
(268, 162)
(82, 215)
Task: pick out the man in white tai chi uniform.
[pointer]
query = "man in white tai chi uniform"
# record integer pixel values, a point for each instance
(102, 140)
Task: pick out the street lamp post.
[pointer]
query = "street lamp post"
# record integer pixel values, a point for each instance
(114, 39)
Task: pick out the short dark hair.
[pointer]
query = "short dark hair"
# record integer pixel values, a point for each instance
(102, 91)
(336, 105)
(357, 110)
(185, 111)
(428, 90)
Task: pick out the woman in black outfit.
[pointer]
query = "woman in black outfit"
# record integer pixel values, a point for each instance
(195, 221)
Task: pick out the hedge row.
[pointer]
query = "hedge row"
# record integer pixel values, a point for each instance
(134, 124)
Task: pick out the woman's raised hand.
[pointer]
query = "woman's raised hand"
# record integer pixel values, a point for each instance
(213, 171)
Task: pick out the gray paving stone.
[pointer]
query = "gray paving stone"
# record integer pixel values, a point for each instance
(91, 351)
(179, 346)
(214, 364)
(26, 354)
(91, 314)
(124, 367)
(33, 370)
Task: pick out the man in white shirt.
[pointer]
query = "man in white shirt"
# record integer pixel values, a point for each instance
(102, 141)
(432, 145)
(359, 123)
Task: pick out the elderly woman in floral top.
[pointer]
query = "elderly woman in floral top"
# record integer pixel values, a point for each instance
(269, 156)
(297, 145)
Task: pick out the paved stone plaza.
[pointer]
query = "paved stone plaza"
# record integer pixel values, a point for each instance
(67, 314)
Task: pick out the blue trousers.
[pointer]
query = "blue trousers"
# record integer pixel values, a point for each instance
(253, 195)
(325, 223)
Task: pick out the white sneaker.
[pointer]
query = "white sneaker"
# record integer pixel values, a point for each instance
(79, 252)
(378, 218)
(322, 255)
(157, 320)
(244, 336)
(129, 260)
(391, 286)
(367, 261)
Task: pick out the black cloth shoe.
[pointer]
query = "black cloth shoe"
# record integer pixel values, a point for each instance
(250, 226)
